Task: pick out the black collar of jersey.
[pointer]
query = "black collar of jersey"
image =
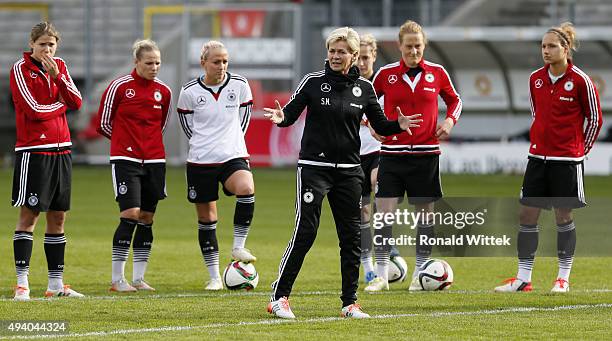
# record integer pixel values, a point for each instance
(227, 78)
(38, 64)
(340, 79)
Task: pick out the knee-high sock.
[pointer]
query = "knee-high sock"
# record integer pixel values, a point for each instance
(366, 247)
(566, 245)
(207, 236)
(143, 241)
(243, 216)
(527, 244)
(121, 247)
(55, 246)
(382, 250)
(423, 251)
(22, 250)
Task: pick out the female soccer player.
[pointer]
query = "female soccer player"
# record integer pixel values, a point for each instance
(133, 114)
(336, 99)
(214, 111)
(42, 90)
(566, 121)
(409, 163)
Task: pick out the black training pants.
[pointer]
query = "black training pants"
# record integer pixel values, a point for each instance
(343, 189)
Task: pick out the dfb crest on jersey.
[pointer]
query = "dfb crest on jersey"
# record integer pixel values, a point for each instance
(123, 188)
(130, 93)
(538, 83)
(231, 96)
(157, 95)
(325, 87)
(568, 86)
(357, 91)
(308, 196)
(429, 77)
(201, 100)
(33, 200)
(392, 79)
(192, 193)
(33, 74)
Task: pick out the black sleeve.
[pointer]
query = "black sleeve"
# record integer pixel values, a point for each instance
(377, 117)
(297, 102)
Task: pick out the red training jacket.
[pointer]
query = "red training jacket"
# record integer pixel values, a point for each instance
(133, 114)
(418, 96)
(40, 105)
(559, 110)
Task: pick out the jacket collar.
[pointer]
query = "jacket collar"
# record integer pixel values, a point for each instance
(139, 80)
(27, 57)
(341, 79)
(404, 68)
(569, 67)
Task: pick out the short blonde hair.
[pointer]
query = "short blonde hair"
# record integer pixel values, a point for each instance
(211, 45)
(411, 27)
(43, 28)
(144, 45)
(368, 40)
(344, 34)
(567, 36)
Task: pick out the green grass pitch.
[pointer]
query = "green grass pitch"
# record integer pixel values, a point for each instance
(181, 309)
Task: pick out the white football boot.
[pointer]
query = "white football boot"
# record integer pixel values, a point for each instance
(243, 255)
(140, 284)
(214, 284)
(280, 308)
(354, 311)
(561, 286)
(377, 284)
(63, 292)
(415, 285)
(22, 293)
(514, 285)
(122, 286)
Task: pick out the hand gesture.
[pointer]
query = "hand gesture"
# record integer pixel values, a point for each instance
(444, 129)
(407, 122)
(275, 115)
(50, 66)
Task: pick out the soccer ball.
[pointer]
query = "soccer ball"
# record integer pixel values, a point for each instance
(238, 275)
(435, 274)
(397, 270)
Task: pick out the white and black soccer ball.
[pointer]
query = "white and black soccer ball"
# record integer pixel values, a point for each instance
(435, 274)
(240, 276)
(398, 269)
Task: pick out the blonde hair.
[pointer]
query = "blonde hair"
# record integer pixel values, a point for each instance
(368, 40)
(211, 45)
(43, 28)
(567, 36)
(345, 34)
(141, 46)
(411, 27)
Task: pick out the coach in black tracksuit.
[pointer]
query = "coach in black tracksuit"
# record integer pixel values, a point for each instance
(336, 99)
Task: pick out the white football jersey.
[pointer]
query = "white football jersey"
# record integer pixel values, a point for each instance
(368, 143)
(215, 119)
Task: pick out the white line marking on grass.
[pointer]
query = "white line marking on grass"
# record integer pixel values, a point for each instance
(297, 293)
(316, 320)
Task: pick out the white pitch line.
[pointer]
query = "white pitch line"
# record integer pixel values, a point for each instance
(297, 293)
(316, 320)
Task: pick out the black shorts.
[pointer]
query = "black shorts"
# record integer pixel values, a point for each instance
(557, 184)
(139, 185)
(41, 181)
(369, 163)
(418, 176)
(203, 180)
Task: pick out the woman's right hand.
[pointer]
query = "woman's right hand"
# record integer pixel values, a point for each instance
(275, 115)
